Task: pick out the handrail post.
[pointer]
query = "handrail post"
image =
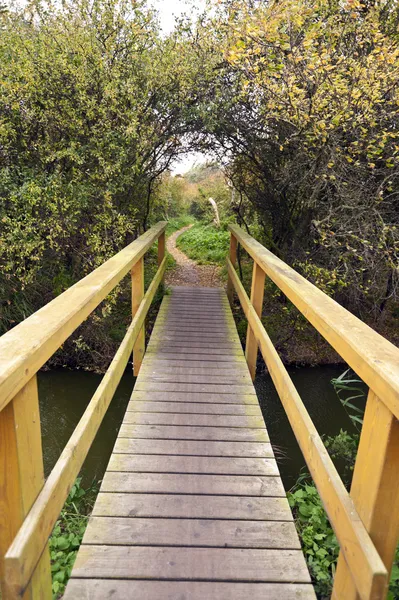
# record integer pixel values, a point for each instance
(21, 479)
(257, 292)
(233, 260)
(161, 249)
(137, 296)
(375, 489)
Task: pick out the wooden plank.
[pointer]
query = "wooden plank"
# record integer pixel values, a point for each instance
(214, 344)
(210, 533)
(195, 408)
(207, 356)
(208, 465)
(218, 564)
(21, 479)
(371, 356)
(164, 483)
(210, 364)
(199, 397)
(193, 420)
(190, 448)
(190, 376)
(104, 589)
(231, 390)
(186, 350)
(257, 292)
(176, 506)
(25, 348)
(365, 564)
(375, 489)
(137, 276)
(176, 432)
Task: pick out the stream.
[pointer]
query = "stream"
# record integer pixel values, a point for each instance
(65, 394)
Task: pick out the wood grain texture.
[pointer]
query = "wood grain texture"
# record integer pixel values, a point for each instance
(193, 448)
(177, 506)
(213, 465)
(113, 589)
(192, 490)
(212, 533)
(166, 483)
(216, 564)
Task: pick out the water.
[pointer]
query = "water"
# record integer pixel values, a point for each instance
(324, 407)
(64, 396)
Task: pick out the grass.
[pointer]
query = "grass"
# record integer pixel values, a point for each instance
(178, 222)
(205, 244)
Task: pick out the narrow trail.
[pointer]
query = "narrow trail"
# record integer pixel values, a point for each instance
(187, 272)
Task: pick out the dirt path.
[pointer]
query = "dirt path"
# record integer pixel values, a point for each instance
(187, 272)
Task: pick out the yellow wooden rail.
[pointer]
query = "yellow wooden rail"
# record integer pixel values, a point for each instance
(29, 507)
(366, 522)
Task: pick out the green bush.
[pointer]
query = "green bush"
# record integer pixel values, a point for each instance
(68, 534)
(205, 244)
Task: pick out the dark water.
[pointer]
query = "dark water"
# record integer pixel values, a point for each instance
(64, 396)
(325, 409)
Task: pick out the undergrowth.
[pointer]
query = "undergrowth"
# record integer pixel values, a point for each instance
(206, 244)
(68, 534)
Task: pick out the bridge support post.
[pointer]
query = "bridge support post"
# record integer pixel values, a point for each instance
(21, 480)
(257, 292)
(375, 489)
(137, 296)
(233, 260)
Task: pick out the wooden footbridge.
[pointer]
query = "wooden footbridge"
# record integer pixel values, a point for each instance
(191, 505)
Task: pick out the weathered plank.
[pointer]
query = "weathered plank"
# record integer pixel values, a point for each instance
(191, 532)
(197, 397)
(190, 448)
(193, 464)
(165, 483)
(218, 564)
(247, 421)
(194, 408)
(176, 432)
(105, 589)
(195, 387)
(176, 506)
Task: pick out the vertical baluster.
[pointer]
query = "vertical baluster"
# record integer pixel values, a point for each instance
(137, 296)
(257, 292)
(375, 489)
(21, 479)
(233, 260)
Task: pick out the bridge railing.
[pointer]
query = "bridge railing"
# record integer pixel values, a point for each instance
(30, 506)
(366, 521)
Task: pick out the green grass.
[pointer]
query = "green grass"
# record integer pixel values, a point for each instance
(205, 244)
(178, 222)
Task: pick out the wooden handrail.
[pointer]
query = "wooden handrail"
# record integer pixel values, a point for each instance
(370, 355)
(31, 540)
(366, 523)
(29, 507)
(28, 346)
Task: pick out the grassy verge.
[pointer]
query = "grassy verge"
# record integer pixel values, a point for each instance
(205, 244)
(178, 223)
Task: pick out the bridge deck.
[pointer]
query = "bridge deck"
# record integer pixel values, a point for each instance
(192, 505)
